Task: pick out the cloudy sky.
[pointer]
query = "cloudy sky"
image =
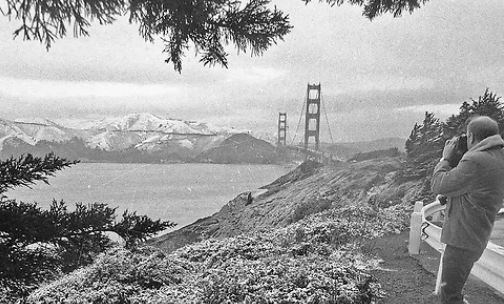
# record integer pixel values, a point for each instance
(378, 78)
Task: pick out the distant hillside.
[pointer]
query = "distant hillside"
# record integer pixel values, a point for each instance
(143, 137)
(143, 131)
(348, 150)
(76, 149)
(362, 156)
(240, 148)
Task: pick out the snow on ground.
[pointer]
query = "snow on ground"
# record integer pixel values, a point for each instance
(99, 141)
(114, 133)
(186, 143)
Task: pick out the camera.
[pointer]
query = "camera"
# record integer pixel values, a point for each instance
(462, 144)
(460, 150)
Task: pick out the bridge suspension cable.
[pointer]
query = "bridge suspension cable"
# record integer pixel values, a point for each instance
(313, 105)
(327, 118)
(299, 122)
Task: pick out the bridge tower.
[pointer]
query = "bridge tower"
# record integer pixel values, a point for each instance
(312, 125)
(282, 129)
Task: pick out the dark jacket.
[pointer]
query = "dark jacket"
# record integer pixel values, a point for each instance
(475, 190)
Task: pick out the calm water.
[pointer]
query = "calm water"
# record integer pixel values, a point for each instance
(181, 193)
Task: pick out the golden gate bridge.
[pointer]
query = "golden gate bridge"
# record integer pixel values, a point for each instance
(310, 148)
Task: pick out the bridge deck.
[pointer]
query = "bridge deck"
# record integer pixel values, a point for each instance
(321, 156)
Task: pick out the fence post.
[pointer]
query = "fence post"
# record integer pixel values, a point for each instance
(415, 233)
(437, 289)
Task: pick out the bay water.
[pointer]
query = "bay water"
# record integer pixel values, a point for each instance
(181, 193)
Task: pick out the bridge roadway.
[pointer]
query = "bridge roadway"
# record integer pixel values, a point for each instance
(322, 157)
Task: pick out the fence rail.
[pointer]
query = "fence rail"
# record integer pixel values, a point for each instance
(489, 268)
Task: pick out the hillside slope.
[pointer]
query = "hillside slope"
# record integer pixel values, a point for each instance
(308, 189)
(317, 235)
(348, 149)
(297, 242)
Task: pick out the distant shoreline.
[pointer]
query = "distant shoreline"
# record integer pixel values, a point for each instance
(286, 164)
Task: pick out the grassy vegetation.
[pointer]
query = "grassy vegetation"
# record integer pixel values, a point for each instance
(315, 260)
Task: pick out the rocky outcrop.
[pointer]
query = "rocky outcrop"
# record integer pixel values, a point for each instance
(310, 188)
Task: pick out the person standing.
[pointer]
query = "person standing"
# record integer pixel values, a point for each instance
(249, 198)
(475, 191)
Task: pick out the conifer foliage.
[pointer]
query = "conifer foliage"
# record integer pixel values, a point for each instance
(425, 139)
(488, 104)
(25, 170)
(37, 244)
(207, 25)
(375, 8)
(425, 144)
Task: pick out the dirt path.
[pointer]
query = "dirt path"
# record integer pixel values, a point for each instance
(412, 280)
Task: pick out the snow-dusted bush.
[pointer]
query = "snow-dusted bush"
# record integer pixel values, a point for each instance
(315, 260)
(121, 276)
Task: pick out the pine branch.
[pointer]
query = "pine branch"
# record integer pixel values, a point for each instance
(134, 228)
(46, 21)
(208, 25)
(27, 169)
(375, 8)
(72, 238)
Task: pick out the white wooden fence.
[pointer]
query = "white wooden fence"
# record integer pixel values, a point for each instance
(489, 268)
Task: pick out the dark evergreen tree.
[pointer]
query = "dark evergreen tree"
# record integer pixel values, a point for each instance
(425, 139)
(455, 124)
(423, 148)
(36, 243)
(413, 140)
(209, 26)
(375, 8)
(425, 144)
(487, 104)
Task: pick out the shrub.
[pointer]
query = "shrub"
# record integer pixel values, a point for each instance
(310, 207)
(37, 244)
(315, 260)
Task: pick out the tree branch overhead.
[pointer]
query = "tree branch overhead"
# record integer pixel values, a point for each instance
(208, 25)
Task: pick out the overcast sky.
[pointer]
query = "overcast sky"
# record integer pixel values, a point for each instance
(378, 78)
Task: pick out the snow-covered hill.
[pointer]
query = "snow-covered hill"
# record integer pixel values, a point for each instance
(143, 131)
(10, 130)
